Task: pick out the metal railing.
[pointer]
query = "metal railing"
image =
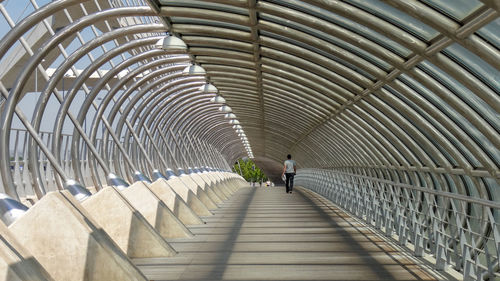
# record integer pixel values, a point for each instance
(19, 164)
(456, 230)
(24, 176)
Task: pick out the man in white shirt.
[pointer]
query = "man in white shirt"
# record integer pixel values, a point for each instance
(289, 170)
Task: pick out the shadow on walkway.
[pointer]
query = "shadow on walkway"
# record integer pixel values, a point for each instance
(266, 234)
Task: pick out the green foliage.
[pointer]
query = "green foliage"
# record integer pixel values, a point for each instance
(249, 171)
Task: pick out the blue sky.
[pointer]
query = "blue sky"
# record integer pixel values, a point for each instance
(19, 9)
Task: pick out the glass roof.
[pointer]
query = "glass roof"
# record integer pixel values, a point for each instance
(477, 66)
(205, 5)
(329, 38)
(321, 52)
(457, 9)
(397, 17)
(373, 88)
(381, 70)
(205, 22)
(346, 23)
(434, 121)
(481, 107)
(490, 33)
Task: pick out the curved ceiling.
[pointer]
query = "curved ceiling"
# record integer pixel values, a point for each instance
(400, 89)
(405, 85)
(392, 107)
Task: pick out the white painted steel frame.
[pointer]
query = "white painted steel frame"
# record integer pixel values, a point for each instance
(382, 109)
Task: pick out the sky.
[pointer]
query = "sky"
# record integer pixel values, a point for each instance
(17, 10)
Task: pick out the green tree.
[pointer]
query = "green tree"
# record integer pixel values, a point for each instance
(249, 170)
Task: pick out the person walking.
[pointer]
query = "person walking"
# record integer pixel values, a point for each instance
(289, 170)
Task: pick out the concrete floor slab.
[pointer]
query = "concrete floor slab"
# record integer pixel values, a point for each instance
(266, 234)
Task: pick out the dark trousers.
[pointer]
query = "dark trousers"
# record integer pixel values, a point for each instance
(289, 181)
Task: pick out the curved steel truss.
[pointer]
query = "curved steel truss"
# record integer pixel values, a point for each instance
(401, 91)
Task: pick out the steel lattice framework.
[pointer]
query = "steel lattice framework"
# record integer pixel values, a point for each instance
(395, 101)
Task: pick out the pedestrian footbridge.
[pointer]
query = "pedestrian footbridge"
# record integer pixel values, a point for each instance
(267, 234)
(120, 122)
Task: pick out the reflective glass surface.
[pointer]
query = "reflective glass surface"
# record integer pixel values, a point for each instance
(320, 52)
(205, 5)
(470, 99)
(446, 110)
(494, 189)
(203, 22)
(346, 23)
(377, 116)
(491, 33)
(397, 17)
(457, 9)
(480, 68)
(332, 39)
(393, 112)
(431, 118)
(305, 46)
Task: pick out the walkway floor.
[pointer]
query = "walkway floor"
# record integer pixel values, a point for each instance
(266, 234)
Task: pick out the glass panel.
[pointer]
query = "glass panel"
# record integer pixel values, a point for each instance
(357, 69)
(457, 9)
(474, 211)
(490, 32)
(483, 109)
(428, 118)
(397, 18)
(181, 20)
(481, 69)
(421, 178)
(346, 23)
(334, 40)
(479, 105)
(17, 11)
(445, 109)
(385, 116)
(407, 178)
(435, 183)
(450, 183)
(422, 130)
(493, 189)
(372, 126)
(205, 5)
(318, 51)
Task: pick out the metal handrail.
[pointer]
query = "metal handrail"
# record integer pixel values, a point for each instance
(483, 202)
(464, 235)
